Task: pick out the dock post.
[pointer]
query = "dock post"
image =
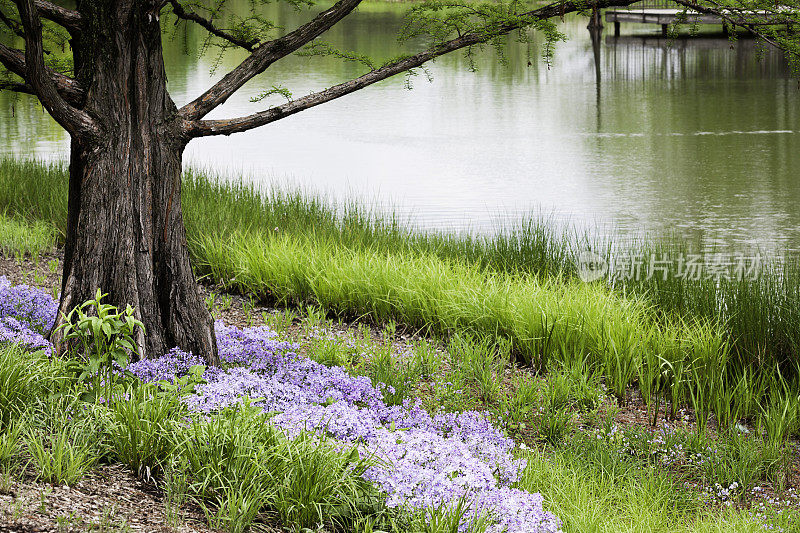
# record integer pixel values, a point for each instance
(616, 28)
(664, 31)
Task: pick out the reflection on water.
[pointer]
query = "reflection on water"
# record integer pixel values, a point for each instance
(634, 133)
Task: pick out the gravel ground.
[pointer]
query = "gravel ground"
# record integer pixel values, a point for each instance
(108, 499)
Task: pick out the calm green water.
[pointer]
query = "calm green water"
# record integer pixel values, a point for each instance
(699, 138)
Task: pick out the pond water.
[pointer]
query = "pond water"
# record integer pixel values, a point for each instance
(634, 135)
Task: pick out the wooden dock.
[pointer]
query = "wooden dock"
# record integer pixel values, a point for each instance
(641, 13)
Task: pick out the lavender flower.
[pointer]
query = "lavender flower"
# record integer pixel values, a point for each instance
(424, 461)
(175, 363)
(13, 331)
(27, 304)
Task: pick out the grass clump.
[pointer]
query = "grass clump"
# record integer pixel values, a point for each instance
(21, 382)
(238, 466)
(138, 429)
(397, 379)
(63, 457)
(325, 485)
(35, 191)
(11, 443)
(20, 239)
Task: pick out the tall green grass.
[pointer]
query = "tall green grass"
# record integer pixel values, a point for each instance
(760, 317)
(214, 206)
(601, 491)
(20, 238)
(35, 191)
(545, 321)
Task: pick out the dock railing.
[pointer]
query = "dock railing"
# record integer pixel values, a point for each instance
(666, 12)
(650, 4)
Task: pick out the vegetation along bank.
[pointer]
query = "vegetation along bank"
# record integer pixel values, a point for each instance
(714, 388)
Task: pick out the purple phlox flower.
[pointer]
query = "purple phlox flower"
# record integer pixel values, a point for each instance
(29, 304)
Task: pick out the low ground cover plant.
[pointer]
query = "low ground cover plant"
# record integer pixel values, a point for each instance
(274, 434)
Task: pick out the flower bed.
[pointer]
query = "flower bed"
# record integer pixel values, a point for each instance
(425, 461)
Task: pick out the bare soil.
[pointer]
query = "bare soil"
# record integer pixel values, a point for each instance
(108, 499)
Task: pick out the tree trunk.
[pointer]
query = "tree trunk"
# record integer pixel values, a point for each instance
(125, 232)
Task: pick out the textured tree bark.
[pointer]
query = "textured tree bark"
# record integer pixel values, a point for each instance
(125, 232)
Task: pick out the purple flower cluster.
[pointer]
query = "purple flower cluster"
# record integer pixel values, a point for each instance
(424, 460)
(265, 370)
(174, 363)
(13, 331)
(26, 314)
(28, 304)
(432, 460)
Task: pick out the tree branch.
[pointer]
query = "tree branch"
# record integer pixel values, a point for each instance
(69, 19)
(75, 121)
(201, 128)
(180, 12)
(263, 56)
(14, 60)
